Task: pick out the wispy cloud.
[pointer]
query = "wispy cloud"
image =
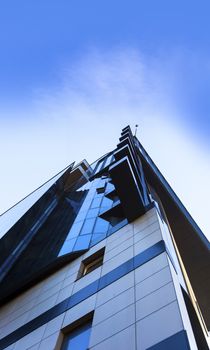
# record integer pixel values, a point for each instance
(82, 115)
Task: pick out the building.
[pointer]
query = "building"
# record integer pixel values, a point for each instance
(104, 256)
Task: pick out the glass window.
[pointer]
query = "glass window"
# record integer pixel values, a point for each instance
(97, 237)
(106, 202)
(96, 202)
(100, 165)
(88, 226)
(81, 216)
(91, 263)
(75, 230)
(82, 242)
(92, 213)
(78, 339)
(108, 161)
(67, 247)
(110, 187)
(86, 203)
(101, 226)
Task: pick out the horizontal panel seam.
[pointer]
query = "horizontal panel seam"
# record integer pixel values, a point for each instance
(160, 308)
(117, 312)
(155, 290)
(121, 330)
(146, 255)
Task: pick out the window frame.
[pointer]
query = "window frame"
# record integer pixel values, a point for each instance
(91, 263)
(71, 328)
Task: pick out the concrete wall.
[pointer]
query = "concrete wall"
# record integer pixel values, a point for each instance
(137, 311)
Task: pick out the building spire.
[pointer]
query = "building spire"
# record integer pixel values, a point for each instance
(136, 128)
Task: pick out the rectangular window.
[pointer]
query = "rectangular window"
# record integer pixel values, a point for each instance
(78, 338)
(91, 263)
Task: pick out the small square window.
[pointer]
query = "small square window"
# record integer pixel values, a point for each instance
(91, 263)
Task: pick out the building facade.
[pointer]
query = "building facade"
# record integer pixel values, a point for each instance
(104, 256)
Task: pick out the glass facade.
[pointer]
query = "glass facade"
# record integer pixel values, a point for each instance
(89, 228)
(70, 213)
(16, 212)
(83, 205)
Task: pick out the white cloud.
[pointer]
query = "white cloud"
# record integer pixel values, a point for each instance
(83, 116)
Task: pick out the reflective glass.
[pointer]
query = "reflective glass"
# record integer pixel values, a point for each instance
(88, 226)
(75, 229)
(96, 202)
(97, 237)
(81, 216)
(86, 203)
(92, 213)
(109, 187)
(82, 242)
(99, 195)
(100, 165)
(67, 247)
(9, 218)
(106, 202)
(101, 226)
(102, 182)
(108, 161)
(78, 339)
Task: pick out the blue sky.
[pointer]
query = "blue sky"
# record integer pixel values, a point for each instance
(69, 69)
(39, 37)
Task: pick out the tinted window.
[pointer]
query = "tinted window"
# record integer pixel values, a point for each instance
(82, 242)
(97, 237)
(101, 225)
(92, 213)
(78, 339)
(67, 247)
(75, 230)
(88, 226)
(106, 202)
(96, 202)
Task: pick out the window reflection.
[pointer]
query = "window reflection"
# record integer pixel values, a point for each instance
(96, 202)
(106, 202)
(78, 339)
(92, 213)
(75, 230)
(101, 225)
(88, 226)
(97, 237)
(67, 247)
(82, 242)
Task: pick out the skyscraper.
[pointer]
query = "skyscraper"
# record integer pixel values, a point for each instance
(104, 256)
